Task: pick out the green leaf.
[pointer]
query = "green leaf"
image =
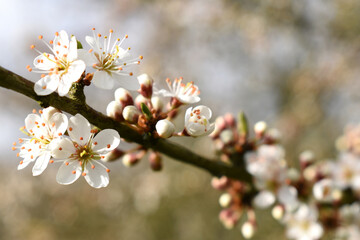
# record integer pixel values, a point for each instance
(145, 110)
(243, 125)
(79, 45)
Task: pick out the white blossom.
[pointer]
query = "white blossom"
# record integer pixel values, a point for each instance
(61, 65)
(197, 121)
(185, 93)
(109, 61)
(44, 130)
(82, 154)
(302, 224)
(346, 172)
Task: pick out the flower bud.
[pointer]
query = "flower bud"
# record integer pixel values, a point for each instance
(146, 84)
(155, 161)
(225, 200)
(130, 159)
(114, 110)
(260, 128)
(229, 218)
(48, 112)
(131, 114)
(277, 212)
(165, 128)
(227, 136)
(306, 158)
(220, 183)
(113, 155)
(229, 120)
(248, 230)
(273, 135)
(124, 97)
(157, 103)
(141, 99)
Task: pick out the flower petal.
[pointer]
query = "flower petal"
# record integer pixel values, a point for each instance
(73, 54)
(62, 148)
(264, 199)
(130, 83)
(105, 141)
(46, 85)
(79, 129)
(103, 80)
(25, 162)
(68, 174)
(86, 57)
(97, 177)
(204, 111)
(41, 163)
(45, 62)
(32, 121)
(58, 124)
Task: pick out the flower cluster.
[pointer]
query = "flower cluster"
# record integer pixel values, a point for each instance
(147, 113)
(66, 63)
(80, 153)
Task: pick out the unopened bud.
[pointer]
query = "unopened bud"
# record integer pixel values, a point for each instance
(157, 103)
(306, 158)
(146, 83)
(155, 161)
(229, 120)
(277, 212)
(220, 183)
(124, 97)
(139, 100)
(273, 135)
(248, 230)
(113, 155)
(228, 218)
(131, 114)
(165, 128)
(293, 174)
(48, 112)
(114, 110)
(225, 200)
(260, 128)
(130, 159)
(227, 136)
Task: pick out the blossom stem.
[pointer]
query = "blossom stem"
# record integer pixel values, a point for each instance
(73, 106)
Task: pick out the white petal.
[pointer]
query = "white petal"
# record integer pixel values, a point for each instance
(43, 62)
(316, 231)
(106, 141)
(264, 199)
(97, 177)
(76, 69)
(31, 120)
(287, 195)
(46, 85)
(86, 57)
(187, 115)
(204, 111)
(195, 129)
(188, 99)
(41, 163)
(103, 80)
(92, 42)
(60, 42)
(58, 124)
(64, 88)
(127, 82)
(79, 129)
(62, 148)
(65, 174)
(25, 162)
(72, 55)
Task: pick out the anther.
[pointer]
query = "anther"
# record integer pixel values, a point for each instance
(44, 87)
(42, 75)
(70, 129)
(131, 74)
(18, 154)
(57, 34)
(107, 170)
(67, 164)
(14, 143)
(32, 46)
(21, 162)
(27, 66)
(141, 57)
(81, 138)
(60, 148)
(40, 111)
(92, 166)
(111, 31)
(108, 146)
(40, 37)
(93, 29)
(51, 161)
(95, 143)
(73, 172)
(99, 35)
(84, 174)
(126, 36)
(51, 42)
(59, 134)
(34, 110)
(13, 148)
(90, 50)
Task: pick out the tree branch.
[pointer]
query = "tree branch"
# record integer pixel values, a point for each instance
(23, 86)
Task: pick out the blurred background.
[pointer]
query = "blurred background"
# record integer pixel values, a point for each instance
(294, 64)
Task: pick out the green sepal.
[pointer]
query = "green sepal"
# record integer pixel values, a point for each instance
(145, 110)
(243, 125)
(79, 45)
